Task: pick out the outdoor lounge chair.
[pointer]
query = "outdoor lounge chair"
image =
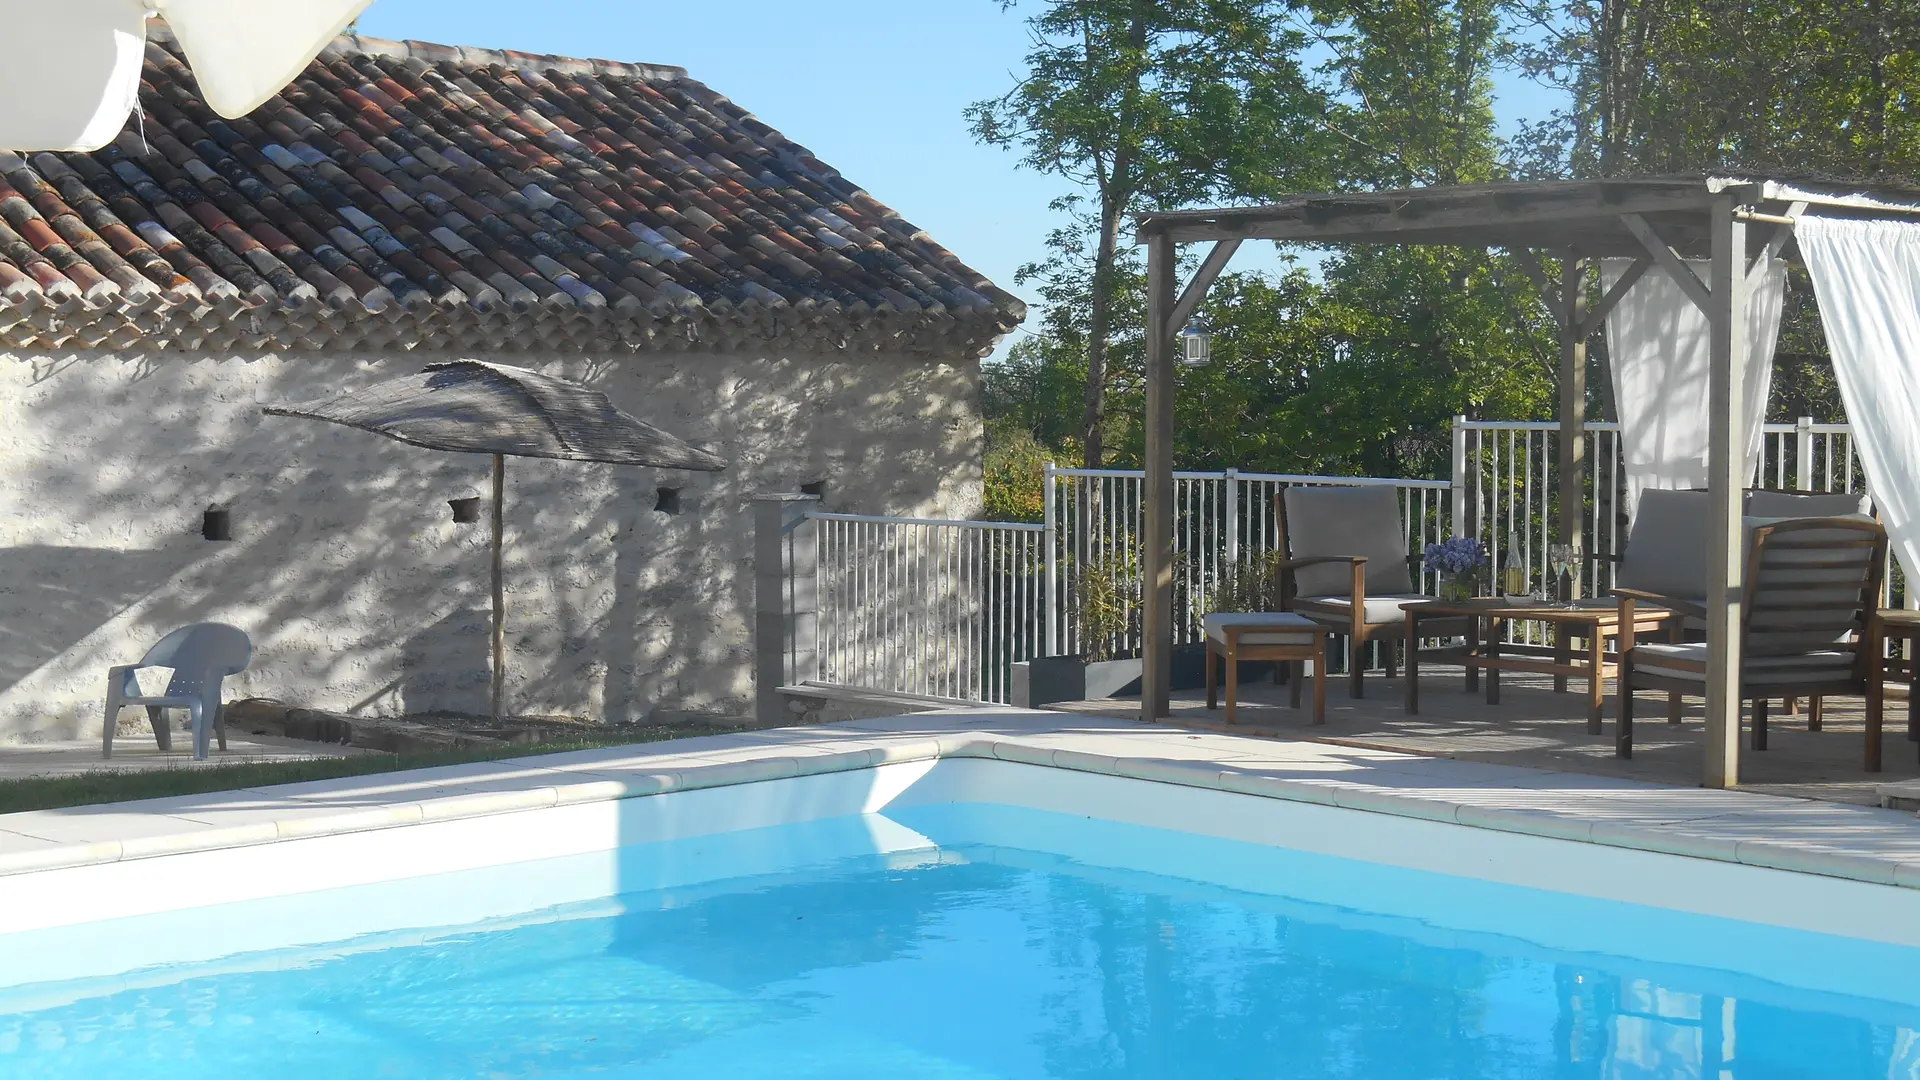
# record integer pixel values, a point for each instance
(1345, 565)
(201, 656)
(1809, 626)
(1665, 560)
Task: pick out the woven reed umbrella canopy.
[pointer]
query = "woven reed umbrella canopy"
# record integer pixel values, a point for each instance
(473, 407)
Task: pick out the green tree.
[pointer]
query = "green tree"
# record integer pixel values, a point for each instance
(1410, 89)
(1825, 89)
(1149, 104)
(1356, 361)
(1655, 86)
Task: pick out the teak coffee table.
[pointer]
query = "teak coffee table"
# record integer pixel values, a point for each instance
(1593, 620)
(1899, 625)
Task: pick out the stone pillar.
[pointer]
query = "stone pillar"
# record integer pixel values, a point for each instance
(786, 570)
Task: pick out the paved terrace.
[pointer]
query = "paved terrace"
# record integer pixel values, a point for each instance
(1535, 728)
(1858, 842)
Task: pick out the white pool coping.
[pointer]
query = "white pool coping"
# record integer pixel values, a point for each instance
(1858, 843)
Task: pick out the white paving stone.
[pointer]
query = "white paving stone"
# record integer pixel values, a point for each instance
(1827, 838)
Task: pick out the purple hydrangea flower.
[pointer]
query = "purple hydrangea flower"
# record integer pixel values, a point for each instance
(1459, 555)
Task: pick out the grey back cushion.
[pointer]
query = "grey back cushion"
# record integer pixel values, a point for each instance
(1786, 504)
(1667, 546)
(1808, 598)
(1362, 521)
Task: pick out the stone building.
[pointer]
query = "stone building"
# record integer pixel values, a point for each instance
(401, 203)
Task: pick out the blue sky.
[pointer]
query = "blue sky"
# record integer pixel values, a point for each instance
(874, 87)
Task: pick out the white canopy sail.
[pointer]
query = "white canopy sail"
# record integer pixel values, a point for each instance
(75, 65)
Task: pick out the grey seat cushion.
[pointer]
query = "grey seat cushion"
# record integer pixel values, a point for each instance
(1689, 661)
(1265, 628)
(1344, 521)
(1667, 546)
(1787, 504)
(1378, 610)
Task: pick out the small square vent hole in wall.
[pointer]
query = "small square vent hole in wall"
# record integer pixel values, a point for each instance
(667, 500)
(216, 524)
(816, 488)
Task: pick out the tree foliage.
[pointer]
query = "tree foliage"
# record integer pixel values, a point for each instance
(1350, 361)
(1353, 360)
(1142, 104)
(1686, 86)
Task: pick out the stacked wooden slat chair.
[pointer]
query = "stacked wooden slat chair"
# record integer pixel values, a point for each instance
(1809, 625)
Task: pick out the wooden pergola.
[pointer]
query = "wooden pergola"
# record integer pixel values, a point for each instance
(1656, 222)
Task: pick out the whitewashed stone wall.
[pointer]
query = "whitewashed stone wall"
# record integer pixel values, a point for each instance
(360, 592)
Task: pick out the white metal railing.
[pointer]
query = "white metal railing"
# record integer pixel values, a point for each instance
(930, 608)
(1094, 519)
(942, 609)
(1507, 471)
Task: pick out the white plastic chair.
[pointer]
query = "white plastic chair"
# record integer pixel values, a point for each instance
(201, 656)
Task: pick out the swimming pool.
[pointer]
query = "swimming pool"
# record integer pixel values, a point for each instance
(950, 935)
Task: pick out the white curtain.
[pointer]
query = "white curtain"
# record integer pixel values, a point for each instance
(1866, 275)
(1659, 345)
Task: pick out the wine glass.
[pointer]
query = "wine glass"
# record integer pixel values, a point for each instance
(1559, 558)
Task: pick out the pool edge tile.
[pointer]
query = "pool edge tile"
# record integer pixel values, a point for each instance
(1808, 860)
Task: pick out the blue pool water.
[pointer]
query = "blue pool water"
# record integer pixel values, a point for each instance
(980, 958)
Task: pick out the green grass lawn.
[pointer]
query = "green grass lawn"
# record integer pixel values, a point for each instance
(48, 792)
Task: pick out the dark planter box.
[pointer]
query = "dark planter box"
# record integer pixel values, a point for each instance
(1073, 678)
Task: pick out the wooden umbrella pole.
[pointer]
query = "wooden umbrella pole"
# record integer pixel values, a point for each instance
(499, 592)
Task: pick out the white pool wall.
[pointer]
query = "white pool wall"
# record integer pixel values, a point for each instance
(108, 918)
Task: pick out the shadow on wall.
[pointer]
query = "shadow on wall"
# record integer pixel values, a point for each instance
(448, 666)
(54, 597)
(345, 565)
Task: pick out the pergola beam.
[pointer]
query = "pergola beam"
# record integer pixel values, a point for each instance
(1203, 279)
(1613, 296)
(1726, 483)
(1530, 263)
(1573, 406)
(1395, 218)
(1156, 546)
(1670, 261)
(1776, 241)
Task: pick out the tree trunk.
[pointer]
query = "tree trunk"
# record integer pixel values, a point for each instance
(1116, 192)
(1100, 323)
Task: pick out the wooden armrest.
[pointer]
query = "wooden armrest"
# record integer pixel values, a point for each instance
(1671, 603)
(1294, 564)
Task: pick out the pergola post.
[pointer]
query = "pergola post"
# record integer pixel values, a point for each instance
(1156, 545)
(1573, 405)
(1726, 481)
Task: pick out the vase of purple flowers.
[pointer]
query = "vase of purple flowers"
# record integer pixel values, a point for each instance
(1459, 562)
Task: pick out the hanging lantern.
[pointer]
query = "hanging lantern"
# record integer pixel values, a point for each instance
(1196, 345)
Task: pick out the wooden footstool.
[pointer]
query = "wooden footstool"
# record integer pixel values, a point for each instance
(1276, 635)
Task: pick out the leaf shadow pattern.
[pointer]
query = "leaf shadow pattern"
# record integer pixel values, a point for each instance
(345, 565)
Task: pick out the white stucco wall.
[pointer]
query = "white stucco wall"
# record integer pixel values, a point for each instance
(359, 591)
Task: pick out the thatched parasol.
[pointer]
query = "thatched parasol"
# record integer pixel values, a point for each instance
(473, 407)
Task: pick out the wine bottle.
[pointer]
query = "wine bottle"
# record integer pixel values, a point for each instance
(1513, 575)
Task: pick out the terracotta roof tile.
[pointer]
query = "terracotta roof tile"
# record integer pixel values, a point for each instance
(409, 194)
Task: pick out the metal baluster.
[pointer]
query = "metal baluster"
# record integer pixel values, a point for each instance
(990, 665)
(969, 670)
(916, 622)
(955, 545)
(889, 606)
